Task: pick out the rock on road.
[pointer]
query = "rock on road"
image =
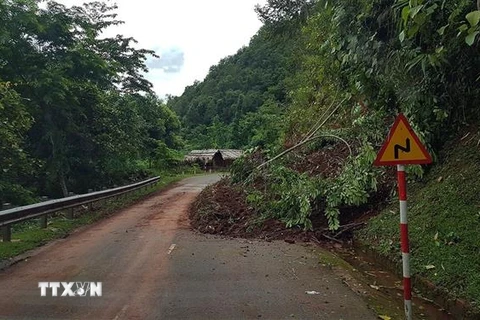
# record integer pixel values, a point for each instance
(152, 266)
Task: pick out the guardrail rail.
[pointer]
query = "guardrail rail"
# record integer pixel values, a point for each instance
(43, 209)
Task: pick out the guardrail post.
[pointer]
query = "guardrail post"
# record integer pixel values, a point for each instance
(43, 219)
(7, 230)
(70, 212)
(118, 197)
(90, 204)
(7, 233)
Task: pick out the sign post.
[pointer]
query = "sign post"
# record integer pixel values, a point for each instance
(403, 147)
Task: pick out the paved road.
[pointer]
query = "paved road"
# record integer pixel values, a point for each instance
(152, 266)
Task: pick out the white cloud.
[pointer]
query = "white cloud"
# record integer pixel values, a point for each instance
(170, 60)
(205, 31)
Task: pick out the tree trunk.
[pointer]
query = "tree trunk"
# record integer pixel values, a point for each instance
(63, 185)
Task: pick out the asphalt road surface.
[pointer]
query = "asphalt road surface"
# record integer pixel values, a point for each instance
(152, 266)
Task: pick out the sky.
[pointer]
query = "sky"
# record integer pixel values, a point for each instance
(189, 35)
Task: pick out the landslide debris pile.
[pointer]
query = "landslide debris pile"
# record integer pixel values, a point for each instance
(241, 205)
(222, 209)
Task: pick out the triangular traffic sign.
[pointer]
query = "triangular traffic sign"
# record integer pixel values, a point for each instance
(402, 146)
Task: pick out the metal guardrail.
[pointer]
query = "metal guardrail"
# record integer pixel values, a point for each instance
(43, 209)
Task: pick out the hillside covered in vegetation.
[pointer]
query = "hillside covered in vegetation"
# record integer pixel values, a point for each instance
(352, 67)
(332, 78)
(242, 100)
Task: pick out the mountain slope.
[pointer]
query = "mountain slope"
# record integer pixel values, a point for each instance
(238, 95)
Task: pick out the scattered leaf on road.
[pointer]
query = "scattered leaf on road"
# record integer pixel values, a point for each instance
(312, 292)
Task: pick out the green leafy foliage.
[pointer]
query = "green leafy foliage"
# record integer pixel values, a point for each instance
(76, 106)
(287, 196)
(354, 47)
(365, 60)
(387, 57)
(352, 187)
(15, 164)
(373, 59)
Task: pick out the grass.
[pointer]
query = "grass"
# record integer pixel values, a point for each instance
(28, 235)
(444, 223)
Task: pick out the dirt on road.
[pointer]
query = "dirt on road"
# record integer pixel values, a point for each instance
(153, 266)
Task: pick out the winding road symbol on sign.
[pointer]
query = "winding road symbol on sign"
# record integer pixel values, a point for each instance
(398, 148)
(402, 146)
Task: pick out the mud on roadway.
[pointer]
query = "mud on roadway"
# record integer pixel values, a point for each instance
(153, 266)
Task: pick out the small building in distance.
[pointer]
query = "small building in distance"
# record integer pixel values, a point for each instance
(213, 158)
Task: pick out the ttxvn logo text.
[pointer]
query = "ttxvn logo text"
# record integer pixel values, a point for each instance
(71, 289)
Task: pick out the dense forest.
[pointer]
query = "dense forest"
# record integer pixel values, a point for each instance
(242, 99)
(76, 111)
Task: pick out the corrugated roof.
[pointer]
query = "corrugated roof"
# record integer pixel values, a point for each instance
(228, 154)
(207, 154)
(203, 152)
(204, 155)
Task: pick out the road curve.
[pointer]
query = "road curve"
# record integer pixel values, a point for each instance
(152, 266)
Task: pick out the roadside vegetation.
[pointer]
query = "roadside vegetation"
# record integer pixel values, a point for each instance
(444, 214)
(357, 65)
(352, 67)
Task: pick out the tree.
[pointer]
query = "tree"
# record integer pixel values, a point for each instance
(280, 12)
(94, 111)
(14, 161)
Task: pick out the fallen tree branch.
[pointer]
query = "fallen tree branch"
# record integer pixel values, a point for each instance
(310, 137)
(316, 125)
(301, 144)
(314, 239)
(331, 238)
(324, 121)
(348, 225)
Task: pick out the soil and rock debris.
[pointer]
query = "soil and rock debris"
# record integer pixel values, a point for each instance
(222, 208)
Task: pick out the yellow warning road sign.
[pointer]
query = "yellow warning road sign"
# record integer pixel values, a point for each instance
(402, 146)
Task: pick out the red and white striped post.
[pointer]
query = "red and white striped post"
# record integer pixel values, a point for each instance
(407, 285)
(403, 147)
